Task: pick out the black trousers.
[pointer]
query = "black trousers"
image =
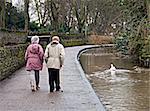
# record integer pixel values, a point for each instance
(37, 77)
(54, 78)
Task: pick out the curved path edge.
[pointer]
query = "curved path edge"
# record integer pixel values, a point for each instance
(78, 95)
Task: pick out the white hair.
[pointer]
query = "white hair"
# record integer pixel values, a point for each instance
(35, 39)
(55, 39)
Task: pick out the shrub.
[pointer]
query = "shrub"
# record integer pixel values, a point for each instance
(122, 43)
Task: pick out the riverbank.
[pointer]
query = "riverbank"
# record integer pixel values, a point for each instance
(126, 89)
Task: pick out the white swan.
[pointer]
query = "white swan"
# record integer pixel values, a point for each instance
(112, 67)
(112, 71)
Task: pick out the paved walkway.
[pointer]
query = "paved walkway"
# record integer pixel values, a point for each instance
(78, 95)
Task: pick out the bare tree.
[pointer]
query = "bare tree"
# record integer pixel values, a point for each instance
(55, 8)
(60, 14)
(26, 14)
(2, 13)
(41, 10)
(148, 8)
(103, 13)
(80, 14)
(98, 14)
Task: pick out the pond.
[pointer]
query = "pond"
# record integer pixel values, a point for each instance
(125, 90)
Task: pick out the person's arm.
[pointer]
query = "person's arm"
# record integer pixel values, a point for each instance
(41, 53)
(46, 54)
(62, 55)
(26, 53)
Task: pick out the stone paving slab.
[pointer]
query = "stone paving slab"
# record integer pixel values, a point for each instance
(78, 95)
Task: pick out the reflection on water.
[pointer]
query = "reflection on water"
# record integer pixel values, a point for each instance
(128, 91)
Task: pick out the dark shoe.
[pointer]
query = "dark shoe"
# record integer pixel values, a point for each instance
(51, 90)
(37, 87)
(59, 90)
(32, 88)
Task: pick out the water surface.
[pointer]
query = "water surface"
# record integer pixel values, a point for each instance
(128, 91)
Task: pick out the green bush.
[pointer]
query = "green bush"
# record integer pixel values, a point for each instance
(146, 48)
(122, 43)
(12, 58)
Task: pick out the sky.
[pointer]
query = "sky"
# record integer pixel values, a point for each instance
(19, 3)
(14, 2)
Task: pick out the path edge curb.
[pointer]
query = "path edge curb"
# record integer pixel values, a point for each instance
(100, 106)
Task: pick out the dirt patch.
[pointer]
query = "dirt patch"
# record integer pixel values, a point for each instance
(99, 39)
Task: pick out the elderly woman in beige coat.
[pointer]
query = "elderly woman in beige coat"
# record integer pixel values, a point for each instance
(54, 56)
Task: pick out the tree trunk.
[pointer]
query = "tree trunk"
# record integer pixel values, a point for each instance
(2, 13)
(26, 15)
(148, 9)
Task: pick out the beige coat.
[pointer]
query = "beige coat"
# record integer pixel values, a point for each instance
(54, 54)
